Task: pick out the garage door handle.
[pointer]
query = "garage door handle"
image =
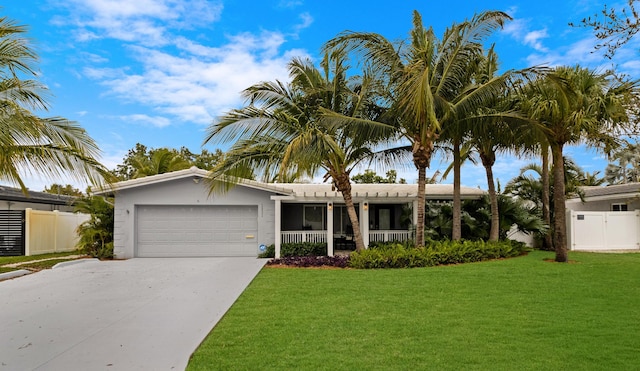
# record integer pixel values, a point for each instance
(249, 236)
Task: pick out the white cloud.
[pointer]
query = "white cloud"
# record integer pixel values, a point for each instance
(157, 121)
(307, 20)
(534, 38)
(145, 21)
(202, 82)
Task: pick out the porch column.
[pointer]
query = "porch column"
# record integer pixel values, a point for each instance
(364, 222)
(278, 226)
(330, 228)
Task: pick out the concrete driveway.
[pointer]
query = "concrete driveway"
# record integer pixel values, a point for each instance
(137, 314)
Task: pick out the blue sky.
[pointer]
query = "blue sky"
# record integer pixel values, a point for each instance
(158, 72)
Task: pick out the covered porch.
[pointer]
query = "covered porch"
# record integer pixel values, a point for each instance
(328, 222)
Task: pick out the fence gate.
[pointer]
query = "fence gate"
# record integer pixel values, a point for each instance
(11, 232)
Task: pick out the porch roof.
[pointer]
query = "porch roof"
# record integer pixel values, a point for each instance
(378, 191)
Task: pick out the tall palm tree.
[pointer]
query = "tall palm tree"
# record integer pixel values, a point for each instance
(426, 79)
(50, 147)
(322, 120)
(574, 105)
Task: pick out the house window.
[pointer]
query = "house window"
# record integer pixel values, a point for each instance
(618, 207)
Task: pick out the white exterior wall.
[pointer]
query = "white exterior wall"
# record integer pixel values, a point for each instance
(185, 191)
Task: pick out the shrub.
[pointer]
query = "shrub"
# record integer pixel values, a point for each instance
(387, 244)
(436, 253)
(312, 261)
(270, 252)
(303, 249)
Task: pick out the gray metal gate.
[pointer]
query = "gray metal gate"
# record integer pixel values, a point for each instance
(12, 232)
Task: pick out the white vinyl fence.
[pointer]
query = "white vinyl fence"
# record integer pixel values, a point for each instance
(51, 231)
(602, 230)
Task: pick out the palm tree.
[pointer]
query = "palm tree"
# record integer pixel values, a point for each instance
(322, 120)
(574, 105)
(627, 168)
(50, 147)
(159, 161)
(426, 80)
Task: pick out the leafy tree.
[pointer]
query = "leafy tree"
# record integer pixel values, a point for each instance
(575, 105)
(369, 177)
(96, 234)
(49, 146)
(67, 190)
(427, 79)
(613, 28)
(141, 161)
(322, 120)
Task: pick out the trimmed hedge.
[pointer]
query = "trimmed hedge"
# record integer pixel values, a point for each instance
(436, 253)
(296, 249)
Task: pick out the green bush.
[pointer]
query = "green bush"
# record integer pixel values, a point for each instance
(303, 249)
(296, 249)
(396, 255)
(270, 252)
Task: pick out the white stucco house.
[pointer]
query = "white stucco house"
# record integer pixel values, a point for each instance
(174, 215)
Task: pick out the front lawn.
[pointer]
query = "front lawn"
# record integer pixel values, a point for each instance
(515, 314)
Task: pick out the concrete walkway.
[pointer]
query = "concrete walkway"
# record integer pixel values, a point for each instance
(138, 314)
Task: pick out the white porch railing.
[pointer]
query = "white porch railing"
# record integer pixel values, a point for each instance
(384, 236)
(321, 236)
(303, 236)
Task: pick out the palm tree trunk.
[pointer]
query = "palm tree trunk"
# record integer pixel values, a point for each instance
(487, 162)
(547, 242)
(343, 184)
(559, 208)
(422, 181)
(456, 232)
(353, 217)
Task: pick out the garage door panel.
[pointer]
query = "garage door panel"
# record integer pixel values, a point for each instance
(168, 230)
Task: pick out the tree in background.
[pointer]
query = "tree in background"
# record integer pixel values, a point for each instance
(370, 176)
(612, 27)
(67, 190)
(51, 147)
(141, 161)
(624, 165)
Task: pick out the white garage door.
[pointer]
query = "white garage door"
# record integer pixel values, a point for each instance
(174, 231)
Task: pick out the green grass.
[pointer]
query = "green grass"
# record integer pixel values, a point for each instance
(515, 314)
(35, 266)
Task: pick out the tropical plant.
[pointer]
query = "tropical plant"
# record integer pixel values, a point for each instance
(575, 105)
(96, 234)
(476, 218)
(50, 147)
(427, 82)
(322, 120)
